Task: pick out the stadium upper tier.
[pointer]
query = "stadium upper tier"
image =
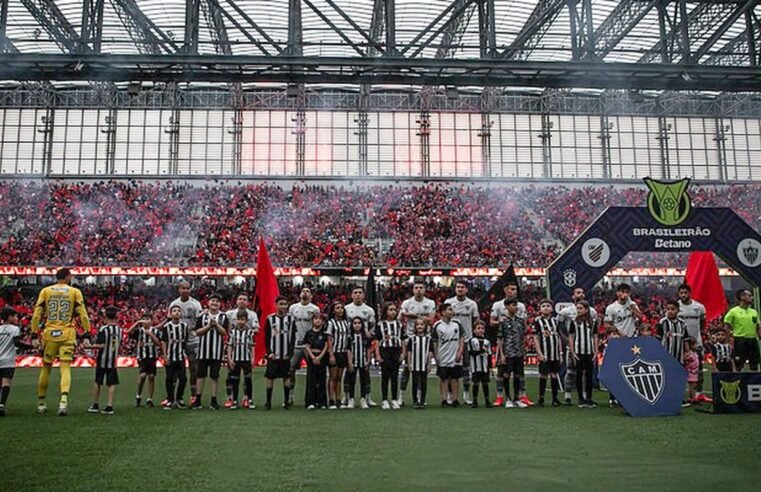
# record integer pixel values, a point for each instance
(169, 224)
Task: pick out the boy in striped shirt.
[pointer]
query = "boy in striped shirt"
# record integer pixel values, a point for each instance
(723, 358)
(174, 338)
(147, 341)
(548, 349)
(672, 331)
(280, 340)
(211, 329)
(107, 342)
(479, 349)
(240, 349)
(419, 353)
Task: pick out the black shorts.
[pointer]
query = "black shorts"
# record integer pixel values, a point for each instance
(147, 366)
(746, 349)
(110, 375)
(241, 366)
(278, 369)
(7, 372)
(479, 377)
(342, 360)
(449, 372)
(725, 366)
(513, 365)
(208, 368)
(549, 367)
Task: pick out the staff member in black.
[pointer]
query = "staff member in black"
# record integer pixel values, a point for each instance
(316, 350)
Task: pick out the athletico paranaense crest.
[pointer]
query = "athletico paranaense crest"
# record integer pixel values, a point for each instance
(645, 378)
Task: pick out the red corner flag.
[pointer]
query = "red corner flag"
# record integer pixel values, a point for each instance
(266, 293)
(703, 277)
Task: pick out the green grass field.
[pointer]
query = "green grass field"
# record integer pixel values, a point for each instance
(436, 449)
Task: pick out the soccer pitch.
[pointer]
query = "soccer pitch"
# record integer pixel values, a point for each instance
(562, 448)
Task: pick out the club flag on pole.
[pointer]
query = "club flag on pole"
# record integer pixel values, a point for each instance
(703, 277)
(266, 292)
(496, 292)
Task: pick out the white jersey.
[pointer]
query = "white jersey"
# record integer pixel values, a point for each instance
(423, 308)
(499, 311)
(191, 310)
(464, 312)
(252, 322)
(622, 318)
(362, 311)
(568, 314)
(447, 337)
(693, 314)
(8, 333)
(303, 314)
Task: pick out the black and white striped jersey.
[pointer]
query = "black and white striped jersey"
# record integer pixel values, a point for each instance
(672, 333)
(358, 343)
(583, 336)
(146, 348)
(339, 331)
(110, 336)
(175, 337)
(211, 343)
(480, 354)
(549, 338)
(242, 343)
(280, 336)
(390, 334)
(420, 349)
(722, 352)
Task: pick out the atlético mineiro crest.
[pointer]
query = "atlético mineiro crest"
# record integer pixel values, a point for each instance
(751, 253)
(569, 277)
(645, 378)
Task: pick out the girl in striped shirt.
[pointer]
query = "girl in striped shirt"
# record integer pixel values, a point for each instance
(338, 348)
(390, 352)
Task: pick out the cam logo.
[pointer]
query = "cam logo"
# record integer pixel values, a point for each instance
(749, 252)
(668, 201)
(569, 277)
(645, 378)
(730, 392)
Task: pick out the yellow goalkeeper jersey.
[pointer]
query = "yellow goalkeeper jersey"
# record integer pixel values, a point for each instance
(59, 303)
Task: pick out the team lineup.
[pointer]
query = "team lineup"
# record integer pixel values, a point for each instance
(194, 343)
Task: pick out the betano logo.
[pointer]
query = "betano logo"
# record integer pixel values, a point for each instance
(668, 201)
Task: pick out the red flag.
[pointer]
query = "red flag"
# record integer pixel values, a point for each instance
(703, 277)
(266, 293)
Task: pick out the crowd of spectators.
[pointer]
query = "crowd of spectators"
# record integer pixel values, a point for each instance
(133, 300)
(131, 223)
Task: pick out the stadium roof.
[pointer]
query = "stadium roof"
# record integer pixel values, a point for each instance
(644, 44)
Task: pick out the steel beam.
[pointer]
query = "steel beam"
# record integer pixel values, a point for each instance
(487, 31)
(390, 27)
(742, 49)
(626, 15)
(5, 44)
(217, 29)
(256, 27)
(379, 70)
(192, 26)
(532, 32)
(92, 25)
(52, 20)
(451, 36)
(147, 36)
(679, 27)
(717, 34)
(335, 28)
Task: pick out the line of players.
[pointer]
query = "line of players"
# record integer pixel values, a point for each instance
(341, 347)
